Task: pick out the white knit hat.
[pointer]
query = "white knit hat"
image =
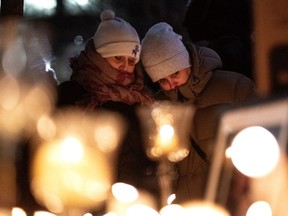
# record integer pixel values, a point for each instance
(116, 37)
(163, 52)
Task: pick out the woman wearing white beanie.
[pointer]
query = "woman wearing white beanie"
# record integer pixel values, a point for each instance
(192, 74)
(116, 37)
(105, 75)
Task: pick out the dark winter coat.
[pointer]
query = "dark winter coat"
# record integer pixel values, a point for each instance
(209, 89)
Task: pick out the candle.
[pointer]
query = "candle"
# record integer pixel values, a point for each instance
(166, 140)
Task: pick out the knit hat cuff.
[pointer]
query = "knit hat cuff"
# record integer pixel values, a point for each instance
(131, 49)
(169, 66)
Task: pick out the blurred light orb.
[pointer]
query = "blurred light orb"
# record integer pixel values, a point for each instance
(172, 210)
(46, 127)
(43, 213)
(69, 170)
(204, 208)
(259, 208)
(106, 137)
(87, 214)
(67, 173)
(110, 214)
(171, 198)
(18, 212)
(10, 95)
(124, 192)
(255, 151)
(71, 150)
(178, 155)
(166, 132)
(127, 200)
(166, 126)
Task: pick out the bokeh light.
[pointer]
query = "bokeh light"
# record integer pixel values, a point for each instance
(259, 208)
(255, 151)
(124, 192)
(204, 208)
(172, 210)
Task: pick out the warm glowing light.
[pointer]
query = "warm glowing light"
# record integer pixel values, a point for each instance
(13, 116)
(255, 151)
(87, 214)
(21, 106)
(108, 131)
(172, 210)
(110, 214)
(46, 128)
(178, 155)
(65, 174)
(171, 198)
(166, 142)
(204, 209)
(228, 152)
(43, 213)
(37, 102)
(71, 150)
(259, 208)
(18, 212)
(166, 132)
(162, 115)
(166, 126)
(124, 192)
(10, 93)
(69, 169)
(125, 196)
(106, 138)
(141, 210)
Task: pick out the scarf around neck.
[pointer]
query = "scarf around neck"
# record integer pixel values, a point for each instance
(104, 83)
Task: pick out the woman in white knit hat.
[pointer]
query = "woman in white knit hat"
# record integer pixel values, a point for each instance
(192, 74)
(106, 75)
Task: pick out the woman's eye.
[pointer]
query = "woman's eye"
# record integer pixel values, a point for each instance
(131, 61)
(118, 58)
(162, 81)
(175, 74)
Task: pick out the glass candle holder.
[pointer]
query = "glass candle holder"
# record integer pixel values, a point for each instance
(73, 168)
(166, 126)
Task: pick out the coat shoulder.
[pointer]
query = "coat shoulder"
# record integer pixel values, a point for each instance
(68, 92)
(227, 87)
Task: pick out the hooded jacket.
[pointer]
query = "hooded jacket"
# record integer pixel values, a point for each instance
(209, 90)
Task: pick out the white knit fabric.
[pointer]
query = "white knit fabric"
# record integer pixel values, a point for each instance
(163, 52)
(115, 37)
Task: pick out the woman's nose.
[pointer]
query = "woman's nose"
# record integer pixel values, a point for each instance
(172, 84)
(124, 65)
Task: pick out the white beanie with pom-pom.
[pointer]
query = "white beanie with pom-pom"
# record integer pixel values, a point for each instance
(116, 37)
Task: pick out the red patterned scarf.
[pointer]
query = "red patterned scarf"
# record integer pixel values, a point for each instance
(104, 83)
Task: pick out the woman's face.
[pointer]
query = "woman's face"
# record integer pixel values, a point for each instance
(125, 64)
(174, 80)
